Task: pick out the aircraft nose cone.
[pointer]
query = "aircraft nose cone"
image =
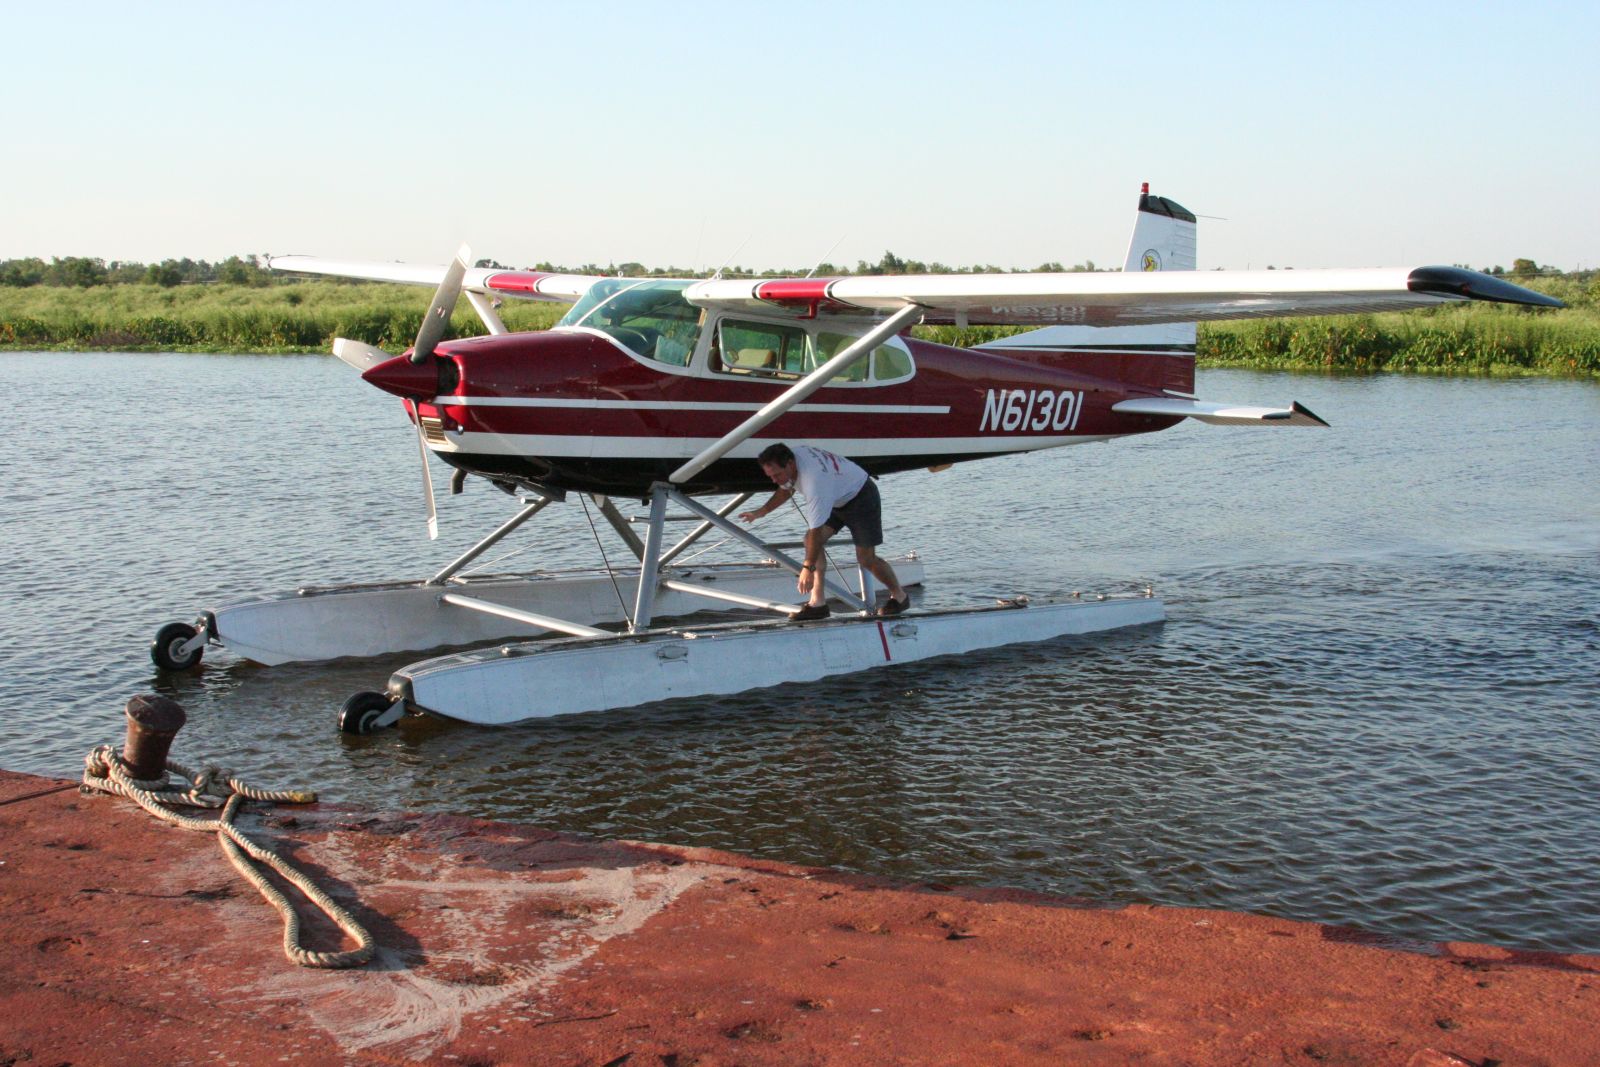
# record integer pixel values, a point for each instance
(400, 376)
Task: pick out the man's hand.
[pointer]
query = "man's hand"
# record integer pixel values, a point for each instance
(803, 583)
(749, 516)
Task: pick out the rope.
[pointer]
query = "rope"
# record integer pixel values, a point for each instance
(484, 565)
(709, 548)
(210, 788)
(607, 561)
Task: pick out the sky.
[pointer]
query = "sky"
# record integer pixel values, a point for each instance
(778, 135)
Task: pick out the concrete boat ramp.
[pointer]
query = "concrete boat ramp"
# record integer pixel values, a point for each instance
(125, 940)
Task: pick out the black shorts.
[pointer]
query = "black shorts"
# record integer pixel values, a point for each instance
(862, 516)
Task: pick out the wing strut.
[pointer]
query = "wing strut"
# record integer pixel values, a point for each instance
(798, 392)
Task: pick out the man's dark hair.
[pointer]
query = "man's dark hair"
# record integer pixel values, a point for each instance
(775, 455)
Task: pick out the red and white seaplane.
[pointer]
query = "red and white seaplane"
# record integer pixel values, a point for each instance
(665, 390)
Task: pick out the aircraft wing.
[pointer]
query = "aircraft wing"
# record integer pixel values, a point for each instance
(1121, 298)
(524, 284)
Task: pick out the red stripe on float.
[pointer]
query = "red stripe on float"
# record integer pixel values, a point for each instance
(885, 639)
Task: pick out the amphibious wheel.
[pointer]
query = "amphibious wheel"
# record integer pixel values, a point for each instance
(167, 649)
(360, 714)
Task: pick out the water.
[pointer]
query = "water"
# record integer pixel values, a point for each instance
(1374, 703)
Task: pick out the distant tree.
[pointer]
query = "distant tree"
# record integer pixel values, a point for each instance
(1524, 266)
(889, 264)
(124, 272)
(236, 270)
(75, 270)
(489, 264)
(166, 274)
(21, 273)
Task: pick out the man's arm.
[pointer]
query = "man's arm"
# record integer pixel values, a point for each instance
(774, 502)
(811, 569)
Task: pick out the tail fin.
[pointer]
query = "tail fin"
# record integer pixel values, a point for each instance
(1163, 235)
(1163, 239)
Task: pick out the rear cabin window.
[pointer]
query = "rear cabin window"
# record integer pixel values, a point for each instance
(787, 352)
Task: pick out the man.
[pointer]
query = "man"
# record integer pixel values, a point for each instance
(837, 495)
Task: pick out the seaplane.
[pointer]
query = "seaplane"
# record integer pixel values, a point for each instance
(664, 391)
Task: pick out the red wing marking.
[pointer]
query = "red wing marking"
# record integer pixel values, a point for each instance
(517, 281)
(802, 289)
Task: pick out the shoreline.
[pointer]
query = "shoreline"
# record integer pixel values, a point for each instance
(507, 943)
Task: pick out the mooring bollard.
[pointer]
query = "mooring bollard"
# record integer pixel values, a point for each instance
(152, 724)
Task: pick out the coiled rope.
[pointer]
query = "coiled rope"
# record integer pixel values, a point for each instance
(103, 771)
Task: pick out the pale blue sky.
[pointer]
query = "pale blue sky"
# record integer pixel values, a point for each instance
(1326, 135)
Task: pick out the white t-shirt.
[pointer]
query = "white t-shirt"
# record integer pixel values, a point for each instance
(824, 481)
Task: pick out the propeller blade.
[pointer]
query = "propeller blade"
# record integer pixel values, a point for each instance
(427, 478)
(444, 303)
(363, 357)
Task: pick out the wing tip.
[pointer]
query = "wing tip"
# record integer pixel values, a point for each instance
(1466, 284)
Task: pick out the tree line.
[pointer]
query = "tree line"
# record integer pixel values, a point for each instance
(83, 271)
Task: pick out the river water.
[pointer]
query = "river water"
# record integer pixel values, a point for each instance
(1374, 703)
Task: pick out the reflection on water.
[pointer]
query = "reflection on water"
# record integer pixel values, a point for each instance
(1374, 701)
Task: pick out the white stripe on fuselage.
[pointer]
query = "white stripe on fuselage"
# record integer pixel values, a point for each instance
(676, 405)
(607, 447)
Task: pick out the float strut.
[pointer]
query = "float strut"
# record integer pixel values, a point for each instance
(761, 546)
(700, 531)
(650, 561)
(489, 542)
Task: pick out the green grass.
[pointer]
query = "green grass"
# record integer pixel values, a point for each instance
(301, 317)
(1481, 339)
(306, 317)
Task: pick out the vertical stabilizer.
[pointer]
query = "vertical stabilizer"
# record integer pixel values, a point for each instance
(1163, 239)
(1163, 235)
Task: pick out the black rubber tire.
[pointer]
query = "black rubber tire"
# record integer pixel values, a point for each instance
(164, 649)
(361, 711)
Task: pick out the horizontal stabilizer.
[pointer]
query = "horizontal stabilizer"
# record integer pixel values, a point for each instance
(1220, 414)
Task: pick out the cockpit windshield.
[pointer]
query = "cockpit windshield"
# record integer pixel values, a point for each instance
(649, 316)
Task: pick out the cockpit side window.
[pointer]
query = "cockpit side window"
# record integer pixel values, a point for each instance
(649, 317)
(763, 349)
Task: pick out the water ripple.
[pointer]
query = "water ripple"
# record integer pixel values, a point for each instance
(1374, 702)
